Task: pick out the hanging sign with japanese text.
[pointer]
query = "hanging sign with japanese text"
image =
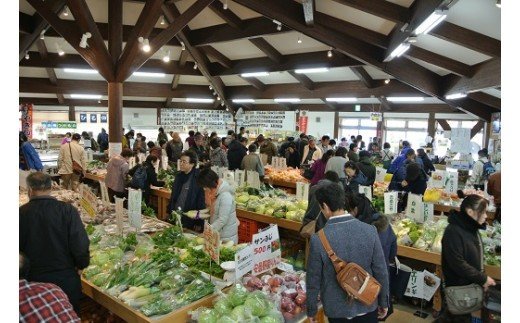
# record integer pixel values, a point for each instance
(266, 250)
(391, 202)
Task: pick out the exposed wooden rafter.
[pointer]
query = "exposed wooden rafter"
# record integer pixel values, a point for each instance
(218, 56)
(380, 8)
(256, 83)
(487, 99)
(308, 11)
(50, 71)
(468, 38)
(304, 80)
(363, 76)
(115, 25)
(452, 65)
(226, 14)
(269, 50)
(487, 75)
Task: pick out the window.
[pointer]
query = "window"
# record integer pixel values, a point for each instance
(349, 122)
(358, 126)
(442, 144)
(418, 124)
(413, 131)
(395, 123)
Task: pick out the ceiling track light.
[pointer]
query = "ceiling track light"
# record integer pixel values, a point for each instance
(42, 35)
(26, 55)
(278, 24)
(59, 50)
(195, 66)
(145, 43)
(431, 22)
(299, 39)
(329, 53)
(210, 88)
(66, 11)
(183, 47)
(166, 57)
(218, 98)
(387, 81)
(163, 21)
(225, 6)
(83, 43)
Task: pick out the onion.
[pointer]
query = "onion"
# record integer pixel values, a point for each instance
(300, 299)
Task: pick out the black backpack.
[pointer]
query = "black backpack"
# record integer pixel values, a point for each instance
(139, 178)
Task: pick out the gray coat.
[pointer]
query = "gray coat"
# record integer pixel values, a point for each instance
(352, 241)
(225, 219)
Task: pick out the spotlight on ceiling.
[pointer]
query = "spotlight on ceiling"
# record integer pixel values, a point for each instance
(387, 81)
(166, 57)
(42, 35)
(84, 38)
(145, 43)
(225, 6)
(163, 21)
(183, 47)
(27, 55)
(59, 50)
(195, 66)
(278, 25)
(329, 53)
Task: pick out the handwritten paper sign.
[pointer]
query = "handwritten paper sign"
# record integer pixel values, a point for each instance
(427, 212)
(240, 177)
(439, 179)
(229, 177)
(119, 214)
(391, 202)
(134, 208)
(415, 287)
(266, 250)
(302, 191)
(380, 174)
(104, 193)
(164, 161)
(88, 201)
(452, 184)
(460, 140)
(414, 207)
(243, 261)
(367, 190)
(131, 162)
(211, 242)
(253, 179)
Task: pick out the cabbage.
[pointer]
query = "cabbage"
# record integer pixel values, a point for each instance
(258, 304)
(420, 244)
(99, 258)
(226, 319)
(222, 307)
(437, 244)
(273, 317)
(238, 314)
(238, 295)
(208, 316)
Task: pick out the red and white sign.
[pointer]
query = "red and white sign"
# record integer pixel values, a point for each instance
(211, 242)
(266, 250)
(303, 122)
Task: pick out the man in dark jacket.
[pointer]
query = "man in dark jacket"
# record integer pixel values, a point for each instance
(366, 167)
(53, 238)
(102, 140)
(151, 177)
(200, 149)
(191, 138)
(236, 152)
(428, 165)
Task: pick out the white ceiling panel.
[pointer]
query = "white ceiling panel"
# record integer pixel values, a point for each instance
(439, 70)
(241, 11)
(333, 75)
(38, 95)
(233, 80)
(493, 92)
(287, 43)
(61, 74)
(192, 80)
(376, 74)
(25, 7)
(355, 16)
(482, 16)
(206, 18)
(238, 49)
(450, 50)
(139, 98)
(167, 79)
(277, 78)
(32, 72)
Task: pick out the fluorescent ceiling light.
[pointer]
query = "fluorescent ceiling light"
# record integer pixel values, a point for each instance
(79, 71)
(290, 100)
(254, 74)
(147, 74)
(455, 96)
(86, 96)
(341, 99)
(243, 100)
(400, 50)
(312, 70)
(196, 100)
(405, 98)
(433, 20)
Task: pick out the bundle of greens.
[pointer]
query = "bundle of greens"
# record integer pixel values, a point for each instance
(168, 176)
(95, 164)
(198, 259)
(170, 237)
(148, 211)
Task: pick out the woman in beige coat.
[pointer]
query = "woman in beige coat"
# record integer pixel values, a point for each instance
(69, 152)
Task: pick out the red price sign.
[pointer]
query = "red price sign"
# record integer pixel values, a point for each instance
(211, 242)
(266, 250)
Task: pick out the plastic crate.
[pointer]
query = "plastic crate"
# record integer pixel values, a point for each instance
(247, 228)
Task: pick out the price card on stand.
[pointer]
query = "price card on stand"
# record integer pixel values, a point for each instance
(266, 250)
(415, 208)
(367, 190)
(119, 214)
(302, 191)
(88, 201)
(104, 192)
(431, 284)
(164, 161)
(282, 163)
(275, 162)
(415, 287)
(452, 184)
(253, 179)
(211, 242)
(391, 202)
(240, 177)
(439, 179)
(134, 208)
(229, 177)
(141, 157)
(427, 212)
(380, 174)
(243, 261)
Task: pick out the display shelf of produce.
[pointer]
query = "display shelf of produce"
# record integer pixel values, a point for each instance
(282, 223)
(95, 177)
(130, 315)
(447, 208)
(280, 183)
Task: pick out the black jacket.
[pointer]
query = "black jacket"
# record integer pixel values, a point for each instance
(416, 178)
(195, 200)
(461, 253)
(293, 160)
(201, 152)
(428, 165)
(313, 211)
(367, 168)
(235, 154)
(52, 236)
(151, 179)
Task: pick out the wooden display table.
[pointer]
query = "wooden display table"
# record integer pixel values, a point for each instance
(131, 315)
(95, 177)
(163, 199)
(289, 187)
(282, 223)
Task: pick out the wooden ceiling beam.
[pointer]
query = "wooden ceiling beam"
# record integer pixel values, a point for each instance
(115, 29)
(476, 129)
(256, 83)
(487, 99)
(218, 56)
(72, 36)
(39, 24)
(405, 108)
(227, 15)
(385, 103)
(487, 75)
(380, 8)
(444, 125)
(144, 25)
(308, 11)
(25, 23)
(304, 80)
(468, 38)
(474, 108)
(452, 65)
(363, 76)
(50, 71)
(90, 103)
(182, 63)
(267, 49)
(85, 21)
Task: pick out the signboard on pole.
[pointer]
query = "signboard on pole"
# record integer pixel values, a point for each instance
(452, 182)
(240, 177)
(415, 208)
(211, 242)
(266, 250)
(380, 174)
(134, 208)
(119, 214)
(104, 192)
(367, 190)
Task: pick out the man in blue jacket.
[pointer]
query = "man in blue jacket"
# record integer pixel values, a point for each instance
(398, 162)
(29, 158)
(352, 241)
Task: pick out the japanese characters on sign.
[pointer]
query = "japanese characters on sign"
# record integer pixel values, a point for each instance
(240, 177)
(414, 208)
(415, 287)
(302, 191)
(104, 192)
(51, 170)
(367, 190)
(452, 183)
(211, 242)
(253, 179)
(134, 208)
(391, 203)
(88, 201)
(244, 261)
(266, 250)
(380, 174)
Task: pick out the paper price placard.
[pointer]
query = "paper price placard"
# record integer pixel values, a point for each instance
(134, 208)
(131, 162)
(391, 202)
(141, 157)
(211, 242)
(431, 284)
(452, 184)
(114, 149)
(367, 190)
(119, 214)
(164, 161)
(302, 191)
(415, 287)
(229, 177)
(414, 208)
(243, 261)
(104, 192)
(240, 177)
(266, 250)
(88, 201)
(427, 212)
(253, 179)
(439, 179)
(380, 174)
(275, 163)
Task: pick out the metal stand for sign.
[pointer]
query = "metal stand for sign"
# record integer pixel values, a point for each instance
(420, 313)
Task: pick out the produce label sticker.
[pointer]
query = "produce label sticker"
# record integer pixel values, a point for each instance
(211, 242)
(391, 203)
(367, 190)
(119, 214)
(438, 179)
(452, 182)
(414, 208)
(266, 250)
(164, 161)
(302, 191)
(134, 208)
(428, 212)
(240, 177)
(283, 266)
(415, 287)
(380, 174)
(104, 192)
(253, 179)
(243, 261)
(431, 284)
(88, 201)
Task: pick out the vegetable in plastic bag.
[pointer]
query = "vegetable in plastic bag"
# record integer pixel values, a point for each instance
(238, 295)
(158, 307)
(272, 317)
(222, 307)
(420, 244)
(258, 304)
(208, 316)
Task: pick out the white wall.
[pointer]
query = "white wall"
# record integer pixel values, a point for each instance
(325, 125)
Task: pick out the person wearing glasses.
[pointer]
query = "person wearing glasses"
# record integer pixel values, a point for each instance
(187, 195)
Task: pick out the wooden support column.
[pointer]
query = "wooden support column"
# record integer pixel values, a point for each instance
(431, 125)
(158, 116)
(336, 124)
(72, 113)
(487, 134)
(115, 116)
(297, 125)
